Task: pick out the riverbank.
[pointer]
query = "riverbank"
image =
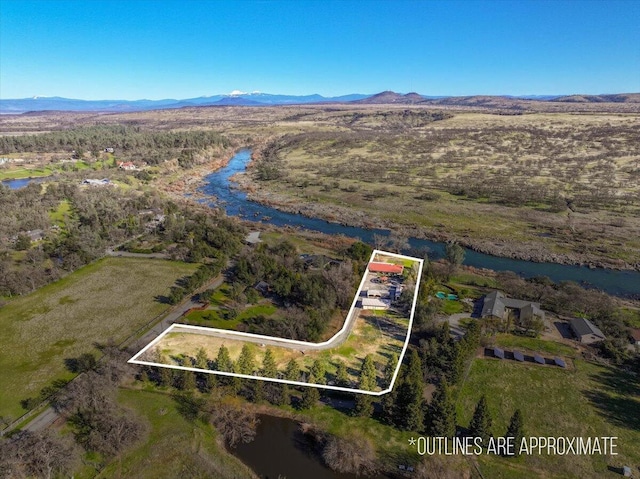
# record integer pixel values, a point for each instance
(534, 251)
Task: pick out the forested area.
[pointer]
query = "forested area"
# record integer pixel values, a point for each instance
(310, 296)
(129, 142)
(97, 219)
(97, 424)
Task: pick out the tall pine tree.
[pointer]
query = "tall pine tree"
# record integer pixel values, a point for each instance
(408, 410)
(442, 412)
(516, 431)
(342, 376)
(368, 380)
(481, 422)
(246, 362)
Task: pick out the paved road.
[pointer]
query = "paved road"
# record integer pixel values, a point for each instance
(126, 254)
(43, 420)
(454, 323)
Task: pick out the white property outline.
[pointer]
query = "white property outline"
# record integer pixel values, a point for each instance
(230, 332)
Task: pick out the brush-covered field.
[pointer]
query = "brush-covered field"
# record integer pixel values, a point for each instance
(107, 300)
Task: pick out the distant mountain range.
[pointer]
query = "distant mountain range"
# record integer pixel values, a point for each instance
(265, 99)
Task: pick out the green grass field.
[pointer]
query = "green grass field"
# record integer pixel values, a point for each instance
(591, 400)
(174, 447)
(109, 299)
(12, 174)
(534, 345)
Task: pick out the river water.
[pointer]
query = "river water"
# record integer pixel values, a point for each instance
(280, 450)
(226, 195)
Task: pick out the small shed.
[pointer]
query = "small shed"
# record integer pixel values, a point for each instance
(559, 362)
(626, 471)
(635, 336)
(539, 359)
(518, 356)
(498, 353)
(374, 303)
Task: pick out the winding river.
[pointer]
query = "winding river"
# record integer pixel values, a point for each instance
(224, 194)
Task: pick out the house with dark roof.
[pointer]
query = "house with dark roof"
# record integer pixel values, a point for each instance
(497, 305)
(585, 331)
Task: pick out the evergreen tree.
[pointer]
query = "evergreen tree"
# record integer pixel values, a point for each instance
(165, 376)
(292, 372)
(269, 368)
(442, 412)
(223, 360)
(414, 370)
(318, 373)
(202, 362)
(284, 398)
(246, 362)
(368, 374)
(185, 380)
(408, 409)
(388, 405)
(310, 397)
(516, 431)
(390, 369)
(481, 422)
(257, 389)
(342, 377)
(457, 362)
(364, 402)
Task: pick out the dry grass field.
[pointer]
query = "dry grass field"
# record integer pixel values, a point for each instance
(107, 300)
(544, 181)
(550, 187)
(370, 335)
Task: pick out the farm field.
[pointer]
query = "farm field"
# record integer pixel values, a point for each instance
(590, 400)
(107, 300)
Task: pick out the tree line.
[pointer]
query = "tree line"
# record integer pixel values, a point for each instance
(128, 142)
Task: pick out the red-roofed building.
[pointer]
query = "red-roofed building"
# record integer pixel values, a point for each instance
(386, 268)
(635, 334)
(128, 165)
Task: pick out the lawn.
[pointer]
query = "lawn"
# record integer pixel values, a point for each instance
(13, 174)
(199, 454)
(109, 299)
(592, 400)
(61, 214)
(511, 341)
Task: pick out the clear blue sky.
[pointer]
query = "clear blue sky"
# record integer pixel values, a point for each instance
(164, 49)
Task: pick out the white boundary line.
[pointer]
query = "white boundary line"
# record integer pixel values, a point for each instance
(134, 359)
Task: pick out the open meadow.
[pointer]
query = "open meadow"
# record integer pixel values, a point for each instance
(110, 299)
(587, 401)
(551, 187)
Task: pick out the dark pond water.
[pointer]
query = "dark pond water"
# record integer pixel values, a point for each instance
(280, 450)
(21, 182)
(235, 202)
